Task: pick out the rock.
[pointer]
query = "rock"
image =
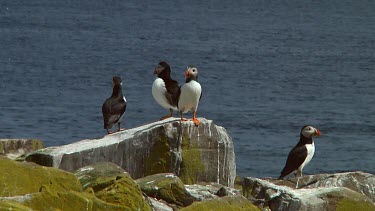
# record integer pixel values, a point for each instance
(159, 205)
(166, 186)
(204, 192)
(195, 154)
(278, 197)
(112, 184)
(358, 181)
(225, 203)
(13, 148)
(19, 178)
(60, 200)
(27, 186)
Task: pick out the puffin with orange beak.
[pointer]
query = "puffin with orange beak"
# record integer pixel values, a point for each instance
(302, 153)
(165, 90)
(191, 93)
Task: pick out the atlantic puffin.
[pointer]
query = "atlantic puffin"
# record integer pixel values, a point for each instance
(302, 153)
(113, 108)
(165, 90)
(191, 93)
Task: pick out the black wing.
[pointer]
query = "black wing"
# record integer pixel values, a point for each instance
(295, 159)
(173, 92)
(112, 111)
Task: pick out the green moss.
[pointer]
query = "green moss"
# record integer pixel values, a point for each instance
(20, 178)
(68, 200)
(37, 144)
(124, 192)
(191, 164)
(167, 187)
(159, 158)
(227, 203)
(12, 205)
(349, 205)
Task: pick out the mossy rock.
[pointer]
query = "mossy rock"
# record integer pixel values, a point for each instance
(342, 199)
(159, 157)
(226, 203)
(67, 200)
(167, 187)
(112, 184)
(191, 164)
(12, 205)
(126, 193)
(100, 175)
(20, 178)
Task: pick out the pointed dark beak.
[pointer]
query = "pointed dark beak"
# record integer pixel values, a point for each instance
(155, 71)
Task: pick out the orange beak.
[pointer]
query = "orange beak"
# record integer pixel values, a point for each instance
(317, 132)
(187, 73)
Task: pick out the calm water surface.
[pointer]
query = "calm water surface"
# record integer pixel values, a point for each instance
(266, 70)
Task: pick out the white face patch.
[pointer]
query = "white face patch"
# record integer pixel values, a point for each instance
(309, 131)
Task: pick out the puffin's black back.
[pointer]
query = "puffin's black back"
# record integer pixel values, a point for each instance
(173, 89)
(114, 107)
(296, 156)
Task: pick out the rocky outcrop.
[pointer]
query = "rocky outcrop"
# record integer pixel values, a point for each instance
(112, 184)
(27, 186)
(236, 202)
(195, 154)
(204, 192)
(318, 192)
(167, 187)
(13, 148)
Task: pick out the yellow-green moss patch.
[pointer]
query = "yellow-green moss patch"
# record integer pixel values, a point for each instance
(191, 164)
(159, 158)
(20, 178)
(167, 187)
(227, 203)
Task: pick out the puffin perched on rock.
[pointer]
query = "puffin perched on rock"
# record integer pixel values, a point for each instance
(191, 93)
(114, 107)
(165, 90)
(302, 153)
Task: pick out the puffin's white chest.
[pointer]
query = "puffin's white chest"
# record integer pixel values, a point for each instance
(158, 92)
(310, 154)
(189, 98)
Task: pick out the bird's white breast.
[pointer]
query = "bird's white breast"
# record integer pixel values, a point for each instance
(189, 98)
(158, 92)
(310, 154)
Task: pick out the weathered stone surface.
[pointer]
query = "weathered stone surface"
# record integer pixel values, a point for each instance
(226, 203)
(358, 181)
(13, 148)
(166, 186)
(278, 197)
(20, 178)
(112, 184)
(203, 192)
(195, 154)
(27, 186)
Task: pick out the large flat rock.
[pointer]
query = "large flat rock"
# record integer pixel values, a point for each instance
(195, 154)
(13, 148)
(346, 191)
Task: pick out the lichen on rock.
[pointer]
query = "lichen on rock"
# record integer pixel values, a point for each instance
(226, 203)
(167, 187)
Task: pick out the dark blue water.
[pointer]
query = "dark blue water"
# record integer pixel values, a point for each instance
(266, 70)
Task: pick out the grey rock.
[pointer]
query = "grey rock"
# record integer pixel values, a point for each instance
(13, 148)
(166, 186)
(195, 154)
(282, 195)
(203, 192)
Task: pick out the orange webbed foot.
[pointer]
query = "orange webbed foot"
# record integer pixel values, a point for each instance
(196, 121)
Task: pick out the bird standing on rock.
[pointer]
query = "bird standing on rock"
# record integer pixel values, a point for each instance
(191, 93)
(165, 90)
(114, 107)
(302, 153)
